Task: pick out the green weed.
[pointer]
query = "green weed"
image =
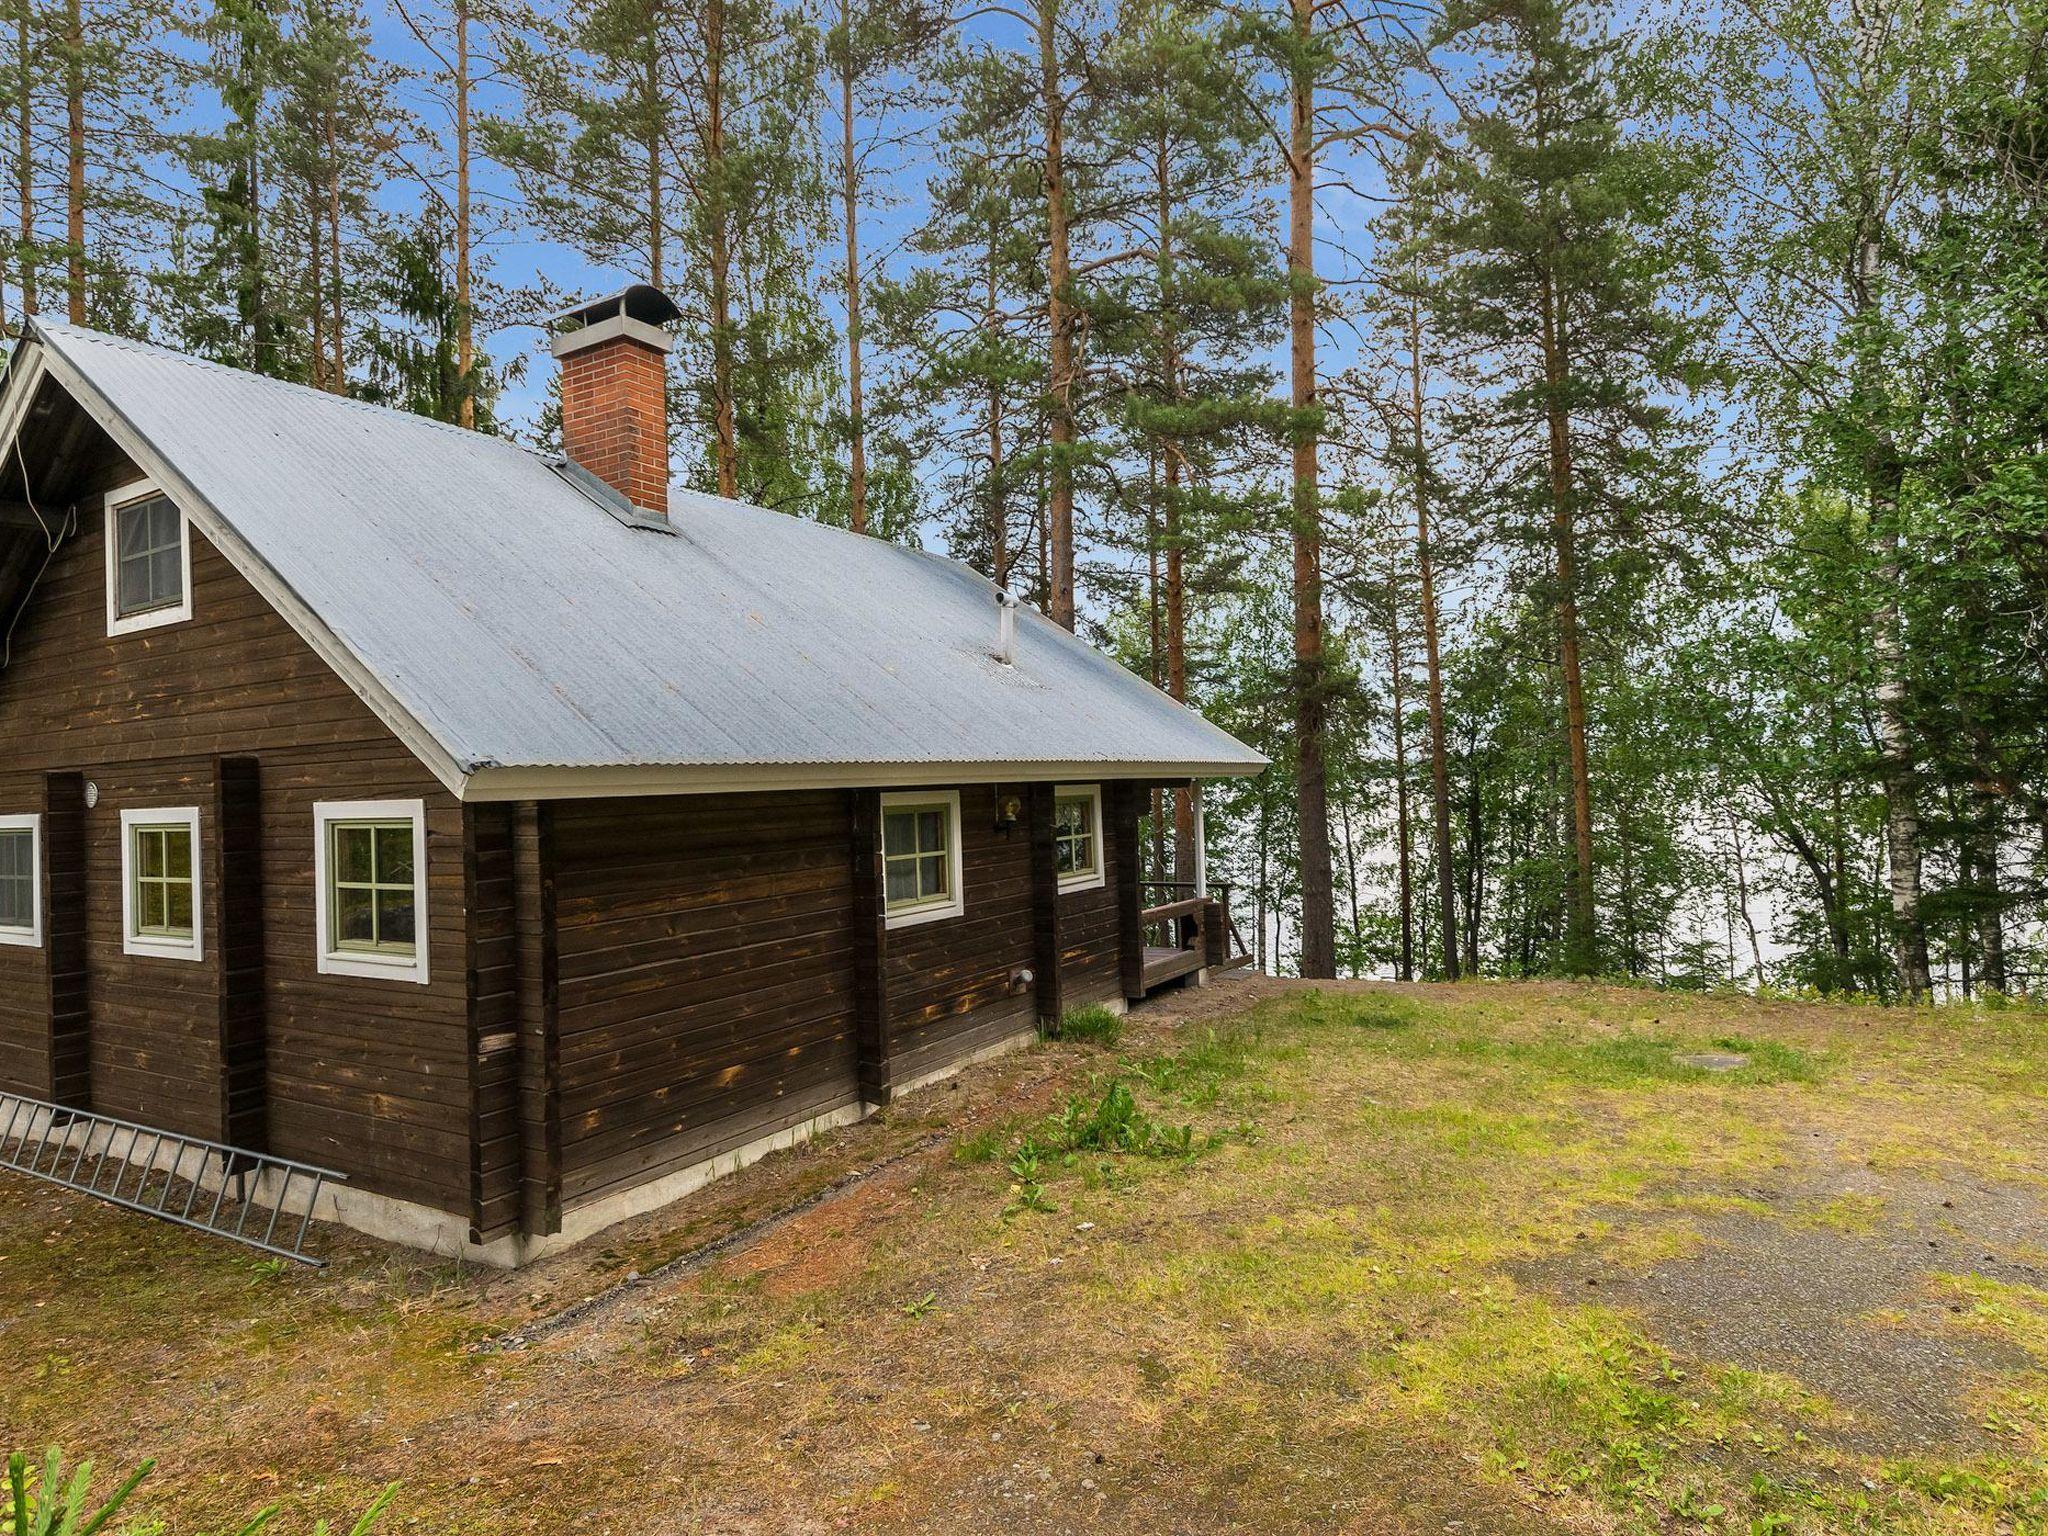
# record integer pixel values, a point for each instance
(1093, 1025)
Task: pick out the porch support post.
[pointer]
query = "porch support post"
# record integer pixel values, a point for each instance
(874, 1030)
(1201, 841)
(1125, 800)
(64, 932)
(540, 1042)
(1047, 942)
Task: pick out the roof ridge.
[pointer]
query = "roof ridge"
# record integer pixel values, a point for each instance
(62, 328)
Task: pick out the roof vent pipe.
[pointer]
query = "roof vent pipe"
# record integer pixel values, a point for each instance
(1006, 627)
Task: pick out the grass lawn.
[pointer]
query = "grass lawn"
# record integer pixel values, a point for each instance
(1476, 1258)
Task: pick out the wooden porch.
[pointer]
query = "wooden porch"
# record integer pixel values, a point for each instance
(1188, 934)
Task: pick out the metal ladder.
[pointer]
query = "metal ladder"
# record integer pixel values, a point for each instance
(77, 1149)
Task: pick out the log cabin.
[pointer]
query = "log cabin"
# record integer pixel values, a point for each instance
(512, 834)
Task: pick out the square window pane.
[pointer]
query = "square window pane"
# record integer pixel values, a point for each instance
(149, 854)
(931, 879)
(178, 907)
(900, 881)
(149, 906)
(353, 854)
(133, 525)
(134, 578)
(166, 576)
(178, 853)
(14, 854)
(355, 917)
(164, 532)
(395, 918)
(1066, 857)
(394, 855)
(931, 830)
(899, 832)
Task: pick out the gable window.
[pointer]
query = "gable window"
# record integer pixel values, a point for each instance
(160, 887)
(921, 857)
(21, 896)
(370, 888)
(149, 561)
(1077, 836)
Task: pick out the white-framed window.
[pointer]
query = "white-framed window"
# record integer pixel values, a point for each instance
(162, 900)
(921, 870)
(149, 560)
(370, 888)
(1077, 836)
(21, 880)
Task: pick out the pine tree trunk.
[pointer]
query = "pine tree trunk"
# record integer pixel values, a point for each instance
(1475, 873)
(1439, 766)
(1402, 840)
(657, 224)
(24, 161)
(1987, 846)
(725, 404)
(316, 265)
(465, 329)
(1318, 914)
(335, 297)
(74, 200)
(849, 192)
(998, 501)
(1176, 555)
(1580, 958)
(1060, 322)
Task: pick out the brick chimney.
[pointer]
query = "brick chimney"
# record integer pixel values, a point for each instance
(614, 358)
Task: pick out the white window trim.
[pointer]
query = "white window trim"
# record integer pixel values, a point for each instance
(912, 917)
(149, 945)
(156, 618)
(349, 962)
(1096, 878)
(30, 937)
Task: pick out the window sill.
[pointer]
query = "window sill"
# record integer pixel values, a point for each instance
(162, 949)
(155, 618)
(21, 938)
(918, 916)
(368, 967)
(1089, 882)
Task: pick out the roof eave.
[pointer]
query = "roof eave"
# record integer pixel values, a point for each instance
(419, 739)
(496, 783)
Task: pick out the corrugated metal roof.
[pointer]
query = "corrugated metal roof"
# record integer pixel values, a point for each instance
(522, 627)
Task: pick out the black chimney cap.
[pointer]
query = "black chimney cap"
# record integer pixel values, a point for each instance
(636, 301)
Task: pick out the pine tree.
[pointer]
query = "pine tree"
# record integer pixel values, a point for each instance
(1184, 317)
(682, 141)
(1551, 218)
(872, 55)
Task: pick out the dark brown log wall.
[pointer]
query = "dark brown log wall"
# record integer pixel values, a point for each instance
(705, 957)
(952, 984)
(371, 1077)
(1089, 929)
